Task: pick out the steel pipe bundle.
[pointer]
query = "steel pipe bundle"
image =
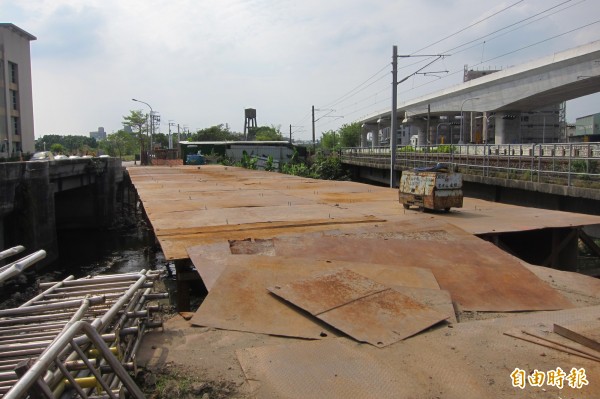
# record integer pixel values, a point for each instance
(17, 267)
(118, 309)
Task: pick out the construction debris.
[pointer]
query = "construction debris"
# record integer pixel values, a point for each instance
(78, 335)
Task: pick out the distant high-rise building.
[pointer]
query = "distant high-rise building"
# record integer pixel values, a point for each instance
(16, 103)
(99, 135)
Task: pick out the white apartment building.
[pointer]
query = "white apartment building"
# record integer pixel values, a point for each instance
(16, 102)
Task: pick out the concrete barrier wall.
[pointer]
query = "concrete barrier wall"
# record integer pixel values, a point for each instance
(31, 193)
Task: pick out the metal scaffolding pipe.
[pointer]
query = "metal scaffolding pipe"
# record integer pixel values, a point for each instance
(132, 295)
(108, 316)
(124, 309)
(20, 389)
(7, 253)
(20, 322)
(87, 291)
(77, 288)
(17, 267)
(106, 279)
(52, 286)
(53, 306)
(28, 337)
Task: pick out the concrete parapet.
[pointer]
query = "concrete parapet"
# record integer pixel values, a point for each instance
(32, 194)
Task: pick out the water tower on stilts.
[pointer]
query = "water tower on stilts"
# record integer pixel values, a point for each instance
(249, 123)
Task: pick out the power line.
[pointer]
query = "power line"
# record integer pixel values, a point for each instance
(468, 27)
(513, 24)
(524, 48)
(512, 30)
(356, 89)
(498, 30)
(360, 87)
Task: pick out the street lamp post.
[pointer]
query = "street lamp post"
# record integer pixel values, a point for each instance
(437, 130)
(462, 124)
(151, 121)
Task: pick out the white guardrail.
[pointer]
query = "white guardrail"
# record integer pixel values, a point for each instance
(557, 163)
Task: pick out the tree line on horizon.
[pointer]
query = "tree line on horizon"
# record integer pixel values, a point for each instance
(126, 143)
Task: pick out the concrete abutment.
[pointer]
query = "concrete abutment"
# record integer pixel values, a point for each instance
(37, 198)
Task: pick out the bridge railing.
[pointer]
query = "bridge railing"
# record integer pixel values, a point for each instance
(570, 164)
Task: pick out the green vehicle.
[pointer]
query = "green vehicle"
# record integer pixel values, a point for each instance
(195, 159)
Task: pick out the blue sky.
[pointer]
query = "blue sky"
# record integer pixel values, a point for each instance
(201, 62)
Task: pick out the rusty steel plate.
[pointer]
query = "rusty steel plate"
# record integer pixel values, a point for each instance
(239, 299)
(478, 275)
(470, 361)
(174, 242)
(189, 206)
(362, 308)
(438, 300)
(332, 368)
(210, 259)
(327, 290)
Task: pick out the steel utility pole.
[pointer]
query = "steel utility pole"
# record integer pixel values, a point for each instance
(321, 117)
(393, 128)
(395, 83)
(171, 123)
(313, 129)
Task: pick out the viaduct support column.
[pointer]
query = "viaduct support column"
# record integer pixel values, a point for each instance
(507, 127)
(364, 136)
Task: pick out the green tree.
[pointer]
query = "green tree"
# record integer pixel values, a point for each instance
(57, 148)
(119, 144)
(330, 140)
(349, 134)
(162, 139)
(215, 133)
(137, 120)
(69, 143)
(269, 133)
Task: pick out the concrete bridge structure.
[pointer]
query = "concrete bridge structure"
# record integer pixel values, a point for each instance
(559, 176)
(499, 99)
(36, 198)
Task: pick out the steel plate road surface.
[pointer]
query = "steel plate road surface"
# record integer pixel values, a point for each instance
(360, 307)
(239, 299)
(189, 206)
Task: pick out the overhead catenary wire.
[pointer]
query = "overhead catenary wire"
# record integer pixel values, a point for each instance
(522, 48)
(468, 27)
(348, 109)
(357, 89)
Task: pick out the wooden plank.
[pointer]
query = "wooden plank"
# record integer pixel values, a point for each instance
(585, 333)
(517, 333)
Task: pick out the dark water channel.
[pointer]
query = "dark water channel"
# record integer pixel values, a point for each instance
(90, 252)
(124, 250)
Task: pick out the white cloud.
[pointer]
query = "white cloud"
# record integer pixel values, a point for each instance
(201, 63)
